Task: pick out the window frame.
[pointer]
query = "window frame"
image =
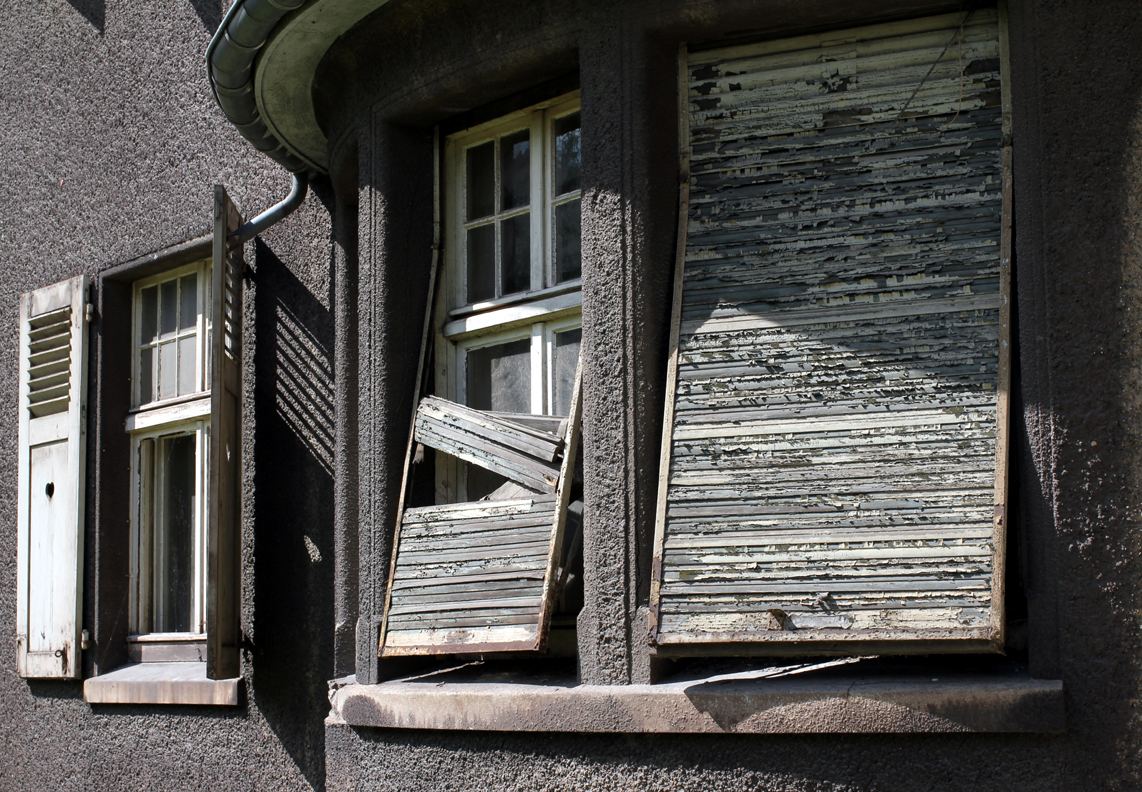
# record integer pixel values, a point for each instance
(462, 326)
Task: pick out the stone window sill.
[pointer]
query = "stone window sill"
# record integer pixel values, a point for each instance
(161, 683)
(846, 699)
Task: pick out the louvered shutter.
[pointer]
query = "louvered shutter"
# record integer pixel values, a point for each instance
(837, 411)
(223, 530)
(53, 412)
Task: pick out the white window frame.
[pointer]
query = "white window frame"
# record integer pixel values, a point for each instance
(186, 414)
(538, 313)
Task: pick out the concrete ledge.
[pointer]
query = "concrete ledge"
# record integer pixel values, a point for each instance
(161, 683)
(967, 703)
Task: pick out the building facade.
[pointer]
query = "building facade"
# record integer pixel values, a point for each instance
(853, 501)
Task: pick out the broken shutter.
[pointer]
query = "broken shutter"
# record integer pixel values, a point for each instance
(53, 411)
(837, 407)
(482, 576)
(224, 527)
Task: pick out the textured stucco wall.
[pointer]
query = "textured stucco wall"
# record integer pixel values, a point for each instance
(111, 146)
(1076, 477)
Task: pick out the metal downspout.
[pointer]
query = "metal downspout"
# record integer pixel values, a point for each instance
(275, 213)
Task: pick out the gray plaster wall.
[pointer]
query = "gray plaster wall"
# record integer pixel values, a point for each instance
(1076, 480)
(111, 145)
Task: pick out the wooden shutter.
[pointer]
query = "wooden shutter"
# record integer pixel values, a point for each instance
(482, 577)
(837, 406)
(224, 527)
(53, 415)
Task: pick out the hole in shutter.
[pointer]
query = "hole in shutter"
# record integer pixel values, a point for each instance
(50, 489)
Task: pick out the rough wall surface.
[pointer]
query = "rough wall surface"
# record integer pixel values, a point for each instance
(112, 144)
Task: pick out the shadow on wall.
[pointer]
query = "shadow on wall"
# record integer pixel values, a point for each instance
(292, 624)
(209, 11)
(95, 11)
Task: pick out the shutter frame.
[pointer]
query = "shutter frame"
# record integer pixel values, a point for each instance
(224, 487)
(50, 600)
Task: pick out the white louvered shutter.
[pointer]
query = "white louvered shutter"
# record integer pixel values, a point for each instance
(53, 413)
(224, 526)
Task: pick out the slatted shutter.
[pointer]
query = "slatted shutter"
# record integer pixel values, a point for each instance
(837, 405)
(224, 526)
(53, 413)
(483, 576)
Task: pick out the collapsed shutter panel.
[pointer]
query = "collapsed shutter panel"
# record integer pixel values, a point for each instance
(53, 409)
(484, 576)
(830, 470)
(224, 527)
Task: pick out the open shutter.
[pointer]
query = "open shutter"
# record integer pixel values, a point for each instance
(223, 530)
(835, 439)
(53, 412)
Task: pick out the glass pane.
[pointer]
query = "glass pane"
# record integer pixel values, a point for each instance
(567, 158)
(168, 307)
(566, 357)
(146, 375)
(188, 309)
(187, 358)
(481, 181)
(482, 482)
(168, 370)
(149, 321)
(499, 377)
(482, 263)
(515, 170)
(568, 258)
(174, 544)
(515, 262)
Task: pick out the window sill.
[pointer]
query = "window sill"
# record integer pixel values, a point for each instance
(161, 683)
(844, 701)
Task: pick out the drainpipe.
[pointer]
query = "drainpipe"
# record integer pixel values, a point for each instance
(274, 214)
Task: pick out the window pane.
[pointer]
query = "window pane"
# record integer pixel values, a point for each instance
(188, 312)
(482, 482)
(168, 370)
(482, 263)
(515, 170)
(515, 263)
(499, 377)
(174, 544)
(187, 359)
(568, 258)
(481, 181)
(566, 357)
(566, 131)
(168, 307)
(149, 308)
(146, 375)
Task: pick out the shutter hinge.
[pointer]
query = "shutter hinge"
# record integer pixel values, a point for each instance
(85, 636)
(89, 312)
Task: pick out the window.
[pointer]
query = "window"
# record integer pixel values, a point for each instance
(509, 339)
(169, 426)
(486, 563)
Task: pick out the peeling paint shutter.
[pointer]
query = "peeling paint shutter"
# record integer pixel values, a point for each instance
(53, 413)
(481, 577)
(839, 388)
(224, 527)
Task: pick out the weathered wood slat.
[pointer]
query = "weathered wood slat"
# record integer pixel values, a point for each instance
(494, 427)
(836, 363)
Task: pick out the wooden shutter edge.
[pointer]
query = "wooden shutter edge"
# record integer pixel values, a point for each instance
(675, 333)
(1003, 385)
(562, 501)
(223, 544)
(76, 421)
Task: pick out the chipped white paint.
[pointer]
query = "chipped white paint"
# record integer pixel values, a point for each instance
(833, 431)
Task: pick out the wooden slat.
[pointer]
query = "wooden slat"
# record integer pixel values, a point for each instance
(835, 434)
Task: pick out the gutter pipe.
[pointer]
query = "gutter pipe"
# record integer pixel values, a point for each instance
(275, 213)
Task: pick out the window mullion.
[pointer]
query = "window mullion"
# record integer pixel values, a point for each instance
(538, 370)
(538, 173)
